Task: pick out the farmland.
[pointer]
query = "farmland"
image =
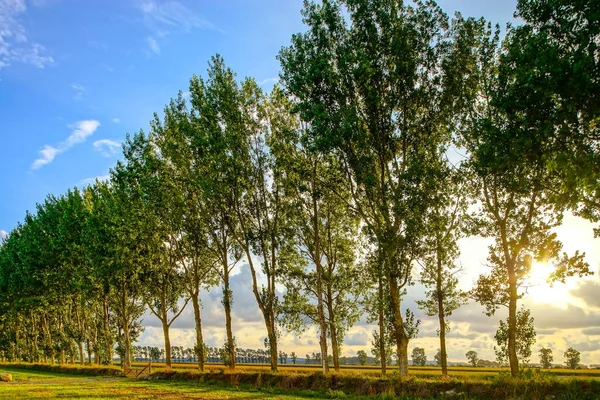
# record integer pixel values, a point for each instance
(293, 382)
(372, 370)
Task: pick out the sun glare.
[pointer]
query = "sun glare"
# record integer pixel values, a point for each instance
(540, 291)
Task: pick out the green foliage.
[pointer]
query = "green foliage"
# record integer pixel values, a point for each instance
(473, 357)
(335, 185)
(362, 357)
(572, 358)
(525, 338)
(546, 358)
(418, 356)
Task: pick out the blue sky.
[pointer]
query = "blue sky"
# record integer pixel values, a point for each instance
(113, 64)
(77, 75)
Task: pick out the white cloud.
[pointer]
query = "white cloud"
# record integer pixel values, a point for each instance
(89, 181)
(116, 120)
(153, 45)
(107, 147)
(81, 131)
(3, 234)
(14, 44)
(47, 155)
(79, 91)
(268, 80)
(171, 15)
(166, 17)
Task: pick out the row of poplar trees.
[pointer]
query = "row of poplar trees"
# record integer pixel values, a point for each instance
(394, 132)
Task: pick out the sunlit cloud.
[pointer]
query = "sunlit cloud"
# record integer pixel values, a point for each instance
(14, 44)
(81, 131)
(107, 147)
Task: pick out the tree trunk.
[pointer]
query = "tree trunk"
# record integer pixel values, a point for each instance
(399, 332)
(319, 271)
(107, 337)
(89, 351)
(270, 322)
(81, 359)
(125, 321)
(127, 361)
(382, 333)
(442, 317)
(335, 349)
(199, 339)
(165, 327)
(512, 323)
(227, 306)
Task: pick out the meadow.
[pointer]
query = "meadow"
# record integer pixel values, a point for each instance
(373, 370)
(294, 382)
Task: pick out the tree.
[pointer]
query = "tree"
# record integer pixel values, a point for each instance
(360, 105)
(525, 338)
(438, 358)
(119, 215)
(163, 278)
(325, 287)
(444, 228)
(512, 183)
(217, 124)
(554, 57)
(572, 358)
(418, 356)
(472, 357)
(294, 357)
(263, 203)
(376, 349)
(362, 358)
(175, 137)
(546, 358)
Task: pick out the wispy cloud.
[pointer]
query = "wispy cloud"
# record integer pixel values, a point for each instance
(153, 45)
(268, 80)
(79, 91)
(167, 17)
(89, 181)
(3, 234)
(81, 131)
(14, 45)
(116, 120)
(107, 147)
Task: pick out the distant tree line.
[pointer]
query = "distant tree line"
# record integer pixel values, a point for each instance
(212, 354)
(394, 132)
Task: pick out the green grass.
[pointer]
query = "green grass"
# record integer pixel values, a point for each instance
(70, 382)
(29, 384)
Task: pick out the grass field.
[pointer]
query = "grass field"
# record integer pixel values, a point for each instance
(374, 371)
(293, 382)
(49, 385)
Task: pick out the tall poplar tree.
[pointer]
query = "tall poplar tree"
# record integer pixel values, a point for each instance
(369, 78)
(217, 124)
(511, 181)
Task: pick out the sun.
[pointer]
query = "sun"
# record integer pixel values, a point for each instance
(540, 291)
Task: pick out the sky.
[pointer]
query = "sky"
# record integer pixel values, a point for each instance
(76, 76)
